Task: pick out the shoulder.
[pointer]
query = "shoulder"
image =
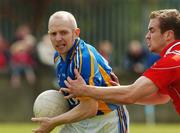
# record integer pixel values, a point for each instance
(168, 62)
(86, 49)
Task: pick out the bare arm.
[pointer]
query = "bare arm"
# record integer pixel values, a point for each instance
(154, 99)
(78, 113)
(123, 94)
(115, 94)
(87, 108)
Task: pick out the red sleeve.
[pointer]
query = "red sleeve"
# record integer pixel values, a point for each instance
(161, 74)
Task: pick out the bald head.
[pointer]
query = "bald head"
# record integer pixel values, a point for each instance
(64, 18)
(63, 31)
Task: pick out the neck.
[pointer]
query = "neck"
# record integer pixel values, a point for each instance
(170, 41)
(63, 56)
(167, 43)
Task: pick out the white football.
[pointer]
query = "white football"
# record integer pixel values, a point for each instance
(50, 103)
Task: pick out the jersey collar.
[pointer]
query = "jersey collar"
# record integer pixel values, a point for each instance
(72, 51)
(167, 47)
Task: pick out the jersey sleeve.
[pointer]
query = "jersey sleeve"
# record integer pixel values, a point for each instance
(161, 74)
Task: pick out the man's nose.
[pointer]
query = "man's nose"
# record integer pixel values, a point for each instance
(147, 36)
(58, 37)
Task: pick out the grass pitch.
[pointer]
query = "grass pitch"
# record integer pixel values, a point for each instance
(19, 128)
(158, 128)
(134, 128)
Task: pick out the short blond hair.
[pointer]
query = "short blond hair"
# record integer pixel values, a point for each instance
(67, 16)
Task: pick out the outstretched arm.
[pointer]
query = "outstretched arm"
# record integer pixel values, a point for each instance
(115, 94)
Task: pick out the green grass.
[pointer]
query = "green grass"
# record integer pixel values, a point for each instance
(158, 128)
(134, 128)
(19, 128)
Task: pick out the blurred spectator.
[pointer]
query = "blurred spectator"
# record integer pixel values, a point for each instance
(45, 51)
(4, 52)
(22, 60)
(152, 58)
(21, 32)
(135, 59)
(105, 49)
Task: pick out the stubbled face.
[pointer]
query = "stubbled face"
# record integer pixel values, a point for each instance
(154, 39)
(61, 35)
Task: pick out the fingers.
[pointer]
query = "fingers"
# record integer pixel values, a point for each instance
(77, 75)
(69, 79)
(43, 128)
(66, 90)
(67, 82)
(35, 130)
(113, 83)
(114, 77)
(36, 119)
(69, 96)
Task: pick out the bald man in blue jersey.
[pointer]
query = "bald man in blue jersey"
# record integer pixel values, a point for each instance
(86, 115)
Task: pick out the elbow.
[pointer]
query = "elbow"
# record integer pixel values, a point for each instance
(165, 99)
(130, 100)
(93, 112)
(164, 102)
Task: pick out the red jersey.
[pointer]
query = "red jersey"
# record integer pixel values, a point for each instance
(165, 73)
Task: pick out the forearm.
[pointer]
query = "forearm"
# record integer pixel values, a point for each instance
(153, 99)
(78, 113)
(112, 94)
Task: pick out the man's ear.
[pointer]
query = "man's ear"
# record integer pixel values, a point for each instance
(169, 35)
(77, 32)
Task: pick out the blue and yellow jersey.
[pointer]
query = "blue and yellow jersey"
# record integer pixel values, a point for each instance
(92, 67)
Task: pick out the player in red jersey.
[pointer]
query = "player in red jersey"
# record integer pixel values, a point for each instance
(158, 84)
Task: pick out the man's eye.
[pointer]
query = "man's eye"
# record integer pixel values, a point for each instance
(63, 32)
(152, 30)
(53, 33)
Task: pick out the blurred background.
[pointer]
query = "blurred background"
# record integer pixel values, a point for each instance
(115, 27)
